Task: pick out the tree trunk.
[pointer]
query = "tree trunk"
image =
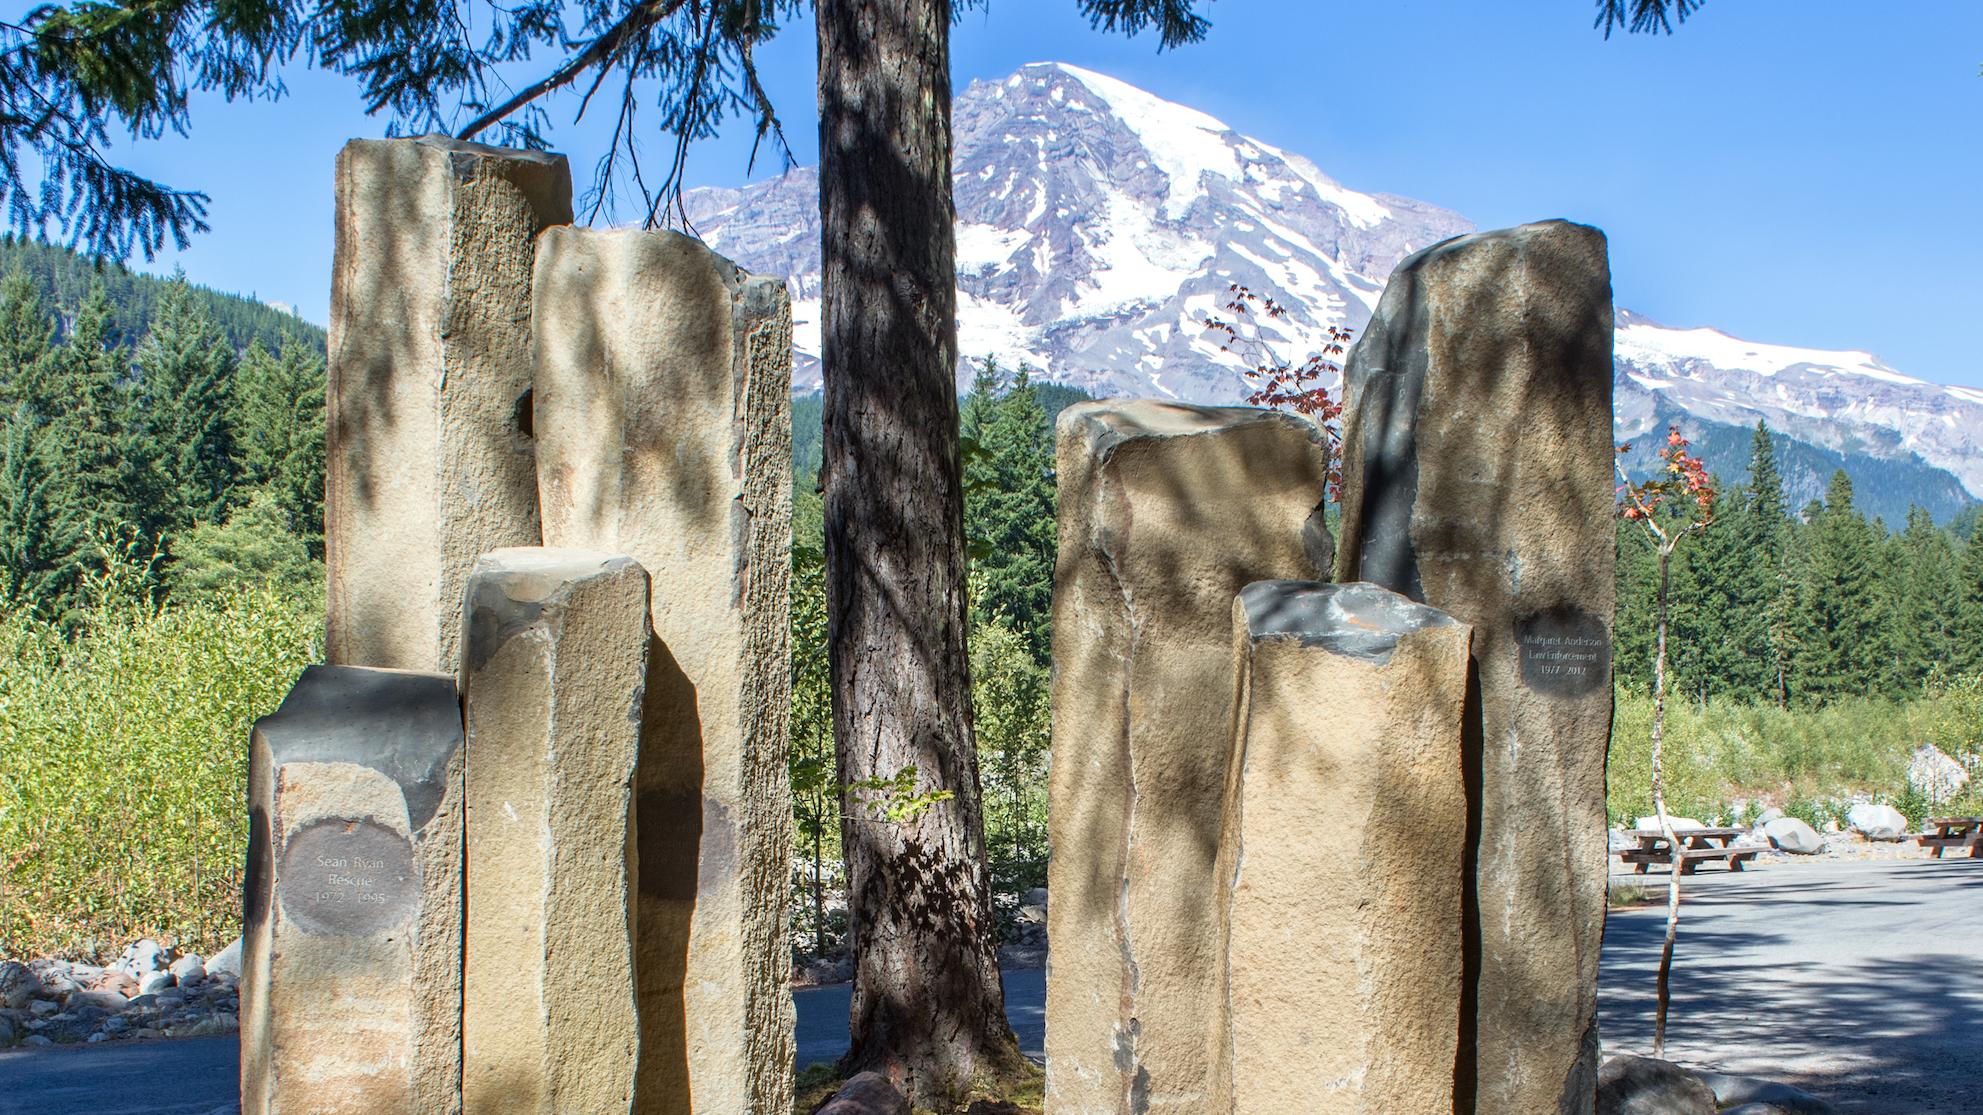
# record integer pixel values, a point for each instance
(818, 893)
(928, 1010)
(1663, 984)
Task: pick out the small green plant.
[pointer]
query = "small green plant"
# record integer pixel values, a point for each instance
(895, 799)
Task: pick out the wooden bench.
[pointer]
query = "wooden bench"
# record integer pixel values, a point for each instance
(1954, 832)
(1698, 846)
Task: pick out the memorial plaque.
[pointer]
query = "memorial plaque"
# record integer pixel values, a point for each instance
(1565, 652)
(348, 876)
(351, 944)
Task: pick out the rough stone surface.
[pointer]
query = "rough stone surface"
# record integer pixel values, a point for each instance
(1644, 1086)
(226, 962)
(1935, 776)
(664, 432)
(1166, 513)
(867, 1094)
(1788, 834)
(1738, 1092)
(1877, 822)
(351, 955)
(554, 661)
(429, 453)
(1339, 878)
(1477, 467)
(18, 984)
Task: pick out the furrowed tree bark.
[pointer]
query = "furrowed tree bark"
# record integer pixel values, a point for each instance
(928, 1009)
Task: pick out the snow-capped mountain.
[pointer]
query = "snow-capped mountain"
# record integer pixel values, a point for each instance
(1098, 226)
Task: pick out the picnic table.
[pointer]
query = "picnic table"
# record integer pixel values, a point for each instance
(1954, 832)
(1696, 847)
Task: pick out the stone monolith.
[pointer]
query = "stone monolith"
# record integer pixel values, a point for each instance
(351, 947)
(1166, 512)
(553, 663)
(1478, 479)
(1339, 878)
(664, 432)
(428, 458)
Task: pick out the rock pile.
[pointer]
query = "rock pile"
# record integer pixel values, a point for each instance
(150, 992)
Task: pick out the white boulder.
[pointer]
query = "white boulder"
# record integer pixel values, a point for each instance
(1935, 776)
(227, 962)
(1680, 824)
(1876, 822)
(1788, 834)
(189, 970)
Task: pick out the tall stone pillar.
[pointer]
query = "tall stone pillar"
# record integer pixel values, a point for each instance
(1166, 512)
(429, 461)
(664, 432)
(552, 669)
(351, 947)
(1478, 479)
(1339, 877)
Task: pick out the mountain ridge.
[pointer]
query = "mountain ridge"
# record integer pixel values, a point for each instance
(1099, 225)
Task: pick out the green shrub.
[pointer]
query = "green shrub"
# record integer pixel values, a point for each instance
(123, 763)
(1801, 758)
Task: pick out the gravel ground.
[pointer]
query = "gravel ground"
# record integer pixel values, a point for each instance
(1859, 980)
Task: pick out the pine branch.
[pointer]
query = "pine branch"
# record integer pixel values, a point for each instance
(599, 53)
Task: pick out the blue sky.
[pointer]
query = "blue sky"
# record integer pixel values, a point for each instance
(1798, 171)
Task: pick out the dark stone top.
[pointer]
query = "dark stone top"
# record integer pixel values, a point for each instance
(1358, 620)
(401, 723)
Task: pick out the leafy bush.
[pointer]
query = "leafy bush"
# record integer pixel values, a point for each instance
(123, 761)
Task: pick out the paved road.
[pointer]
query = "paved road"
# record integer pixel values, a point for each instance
(1862, 982)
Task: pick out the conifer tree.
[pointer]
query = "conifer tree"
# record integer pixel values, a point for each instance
(1638, 589)
(1842, 647)
(38, 541)
(1707, 614)
(181, 437)
(277, 422)
(1768, 596)
(84, 386)
(1926, 627)
(253, 548)
(26, 337)
(1967, 654)
(1009, 505)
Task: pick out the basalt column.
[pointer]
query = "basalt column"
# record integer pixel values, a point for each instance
(1339, 880)
(1166, 512)
(1478, 479)
(428, 457)
(351, 948)
(553, 664)
(664, 432)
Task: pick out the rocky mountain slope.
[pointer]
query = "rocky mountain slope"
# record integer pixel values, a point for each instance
(1098, 226)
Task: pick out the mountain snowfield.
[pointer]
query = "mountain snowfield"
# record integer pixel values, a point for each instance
(1098, 226)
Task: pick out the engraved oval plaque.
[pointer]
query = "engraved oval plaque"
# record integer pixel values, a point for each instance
(348, 877)
(1566, 652)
